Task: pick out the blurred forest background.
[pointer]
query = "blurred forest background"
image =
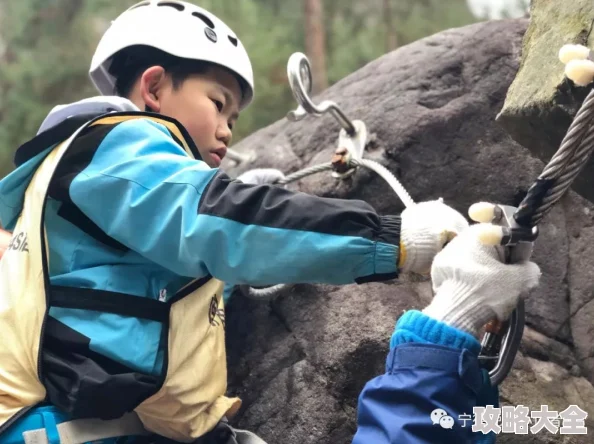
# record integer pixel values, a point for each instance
(46, 47)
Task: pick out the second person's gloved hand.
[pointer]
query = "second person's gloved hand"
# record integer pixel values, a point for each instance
(473, 286)
(426, 228)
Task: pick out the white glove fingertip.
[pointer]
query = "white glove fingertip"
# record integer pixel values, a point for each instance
(482, 212)
(489, 234)
(571, 52)
(581, 72)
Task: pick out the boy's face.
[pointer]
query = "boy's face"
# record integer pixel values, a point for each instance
(206, 105)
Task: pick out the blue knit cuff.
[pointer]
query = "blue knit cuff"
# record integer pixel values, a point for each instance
(414, 326)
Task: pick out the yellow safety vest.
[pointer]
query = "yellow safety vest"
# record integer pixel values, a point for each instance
(188, 402)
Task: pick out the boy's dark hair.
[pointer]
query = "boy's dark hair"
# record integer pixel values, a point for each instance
(131, 62)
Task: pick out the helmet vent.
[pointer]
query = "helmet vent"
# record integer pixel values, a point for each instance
(233, 40)
(205, 19)
(174, 5)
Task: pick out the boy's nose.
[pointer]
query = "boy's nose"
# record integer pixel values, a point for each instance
(224, 134)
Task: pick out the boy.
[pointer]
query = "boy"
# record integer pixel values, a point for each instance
(138, 229)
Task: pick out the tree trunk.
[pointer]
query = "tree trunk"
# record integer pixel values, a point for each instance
(315, 43)
(391, 38)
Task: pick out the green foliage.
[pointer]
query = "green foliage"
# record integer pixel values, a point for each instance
(46, 48)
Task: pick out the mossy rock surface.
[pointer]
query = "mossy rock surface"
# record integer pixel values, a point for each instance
(541, 102)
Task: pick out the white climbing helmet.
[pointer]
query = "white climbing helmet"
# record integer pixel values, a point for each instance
(175, 27)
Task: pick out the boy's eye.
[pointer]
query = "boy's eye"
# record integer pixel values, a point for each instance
(218, 104)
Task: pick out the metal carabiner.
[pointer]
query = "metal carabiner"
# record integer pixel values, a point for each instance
(498, 352)
(509, 346)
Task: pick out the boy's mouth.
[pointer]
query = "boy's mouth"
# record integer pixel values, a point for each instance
(218, 154)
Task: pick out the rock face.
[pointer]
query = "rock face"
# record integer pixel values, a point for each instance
(300, 361)
(541, 102)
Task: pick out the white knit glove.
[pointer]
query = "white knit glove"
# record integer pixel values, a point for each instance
(473, 286)
(426, 228)
(260, 176)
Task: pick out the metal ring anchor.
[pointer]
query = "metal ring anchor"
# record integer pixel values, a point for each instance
(300, 79)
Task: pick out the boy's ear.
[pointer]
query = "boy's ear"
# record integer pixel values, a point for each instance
(152, 82)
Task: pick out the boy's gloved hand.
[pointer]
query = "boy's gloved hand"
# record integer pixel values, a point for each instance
(426, 228)
(472, 285)
(260, 176)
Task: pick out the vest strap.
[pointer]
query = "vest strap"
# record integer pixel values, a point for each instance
(109, 302)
